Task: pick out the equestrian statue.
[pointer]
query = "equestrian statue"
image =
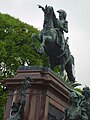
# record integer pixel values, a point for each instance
(53, 42)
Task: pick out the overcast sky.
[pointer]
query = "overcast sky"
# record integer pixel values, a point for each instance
(78, 17)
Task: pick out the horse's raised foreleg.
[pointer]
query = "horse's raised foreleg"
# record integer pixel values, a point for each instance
(37, 37)
(33, 36)
(42, 45)
(44, 39)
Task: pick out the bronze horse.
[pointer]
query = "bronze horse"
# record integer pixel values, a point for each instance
(48, 39)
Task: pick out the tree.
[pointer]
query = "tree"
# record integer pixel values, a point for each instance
(3, 98)
(15, 50)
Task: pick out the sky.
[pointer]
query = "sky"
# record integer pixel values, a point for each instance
(78, 17)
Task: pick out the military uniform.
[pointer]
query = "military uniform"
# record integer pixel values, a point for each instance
(62, 25)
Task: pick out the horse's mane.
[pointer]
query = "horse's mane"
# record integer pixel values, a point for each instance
(53, 16)
(54, 19)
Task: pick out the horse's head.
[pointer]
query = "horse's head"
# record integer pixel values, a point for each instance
(49, 16)
(49, 10)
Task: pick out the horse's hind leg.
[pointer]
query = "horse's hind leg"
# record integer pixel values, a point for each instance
(69, 71)
(51, 62)
(52, 66)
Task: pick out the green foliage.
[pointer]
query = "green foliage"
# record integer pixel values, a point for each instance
(3, 96)
(15, 50)
(57, 69)
(78, 90)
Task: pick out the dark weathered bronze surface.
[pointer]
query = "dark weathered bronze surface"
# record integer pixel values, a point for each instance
(53, 41)
(17, 108)
(76, 109)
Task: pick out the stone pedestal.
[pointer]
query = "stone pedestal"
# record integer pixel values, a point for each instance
(47, 97)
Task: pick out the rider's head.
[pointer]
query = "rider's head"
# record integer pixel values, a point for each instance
(62, 13)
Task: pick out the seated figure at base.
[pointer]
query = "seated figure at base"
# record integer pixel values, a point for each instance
(75, 111)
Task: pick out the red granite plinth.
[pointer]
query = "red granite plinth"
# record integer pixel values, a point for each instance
(45, 90)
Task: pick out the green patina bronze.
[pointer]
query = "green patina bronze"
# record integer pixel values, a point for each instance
(53, 41)
(76, 111)
(18, 107)
(86, 100)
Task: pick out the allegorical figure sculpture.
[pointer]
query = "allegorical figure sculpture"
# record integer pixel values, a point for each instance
(53, 42)
(18, 107)
(86, 100)
(75, 111)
